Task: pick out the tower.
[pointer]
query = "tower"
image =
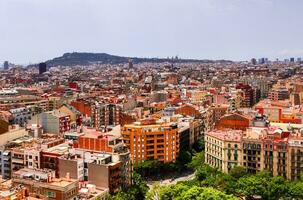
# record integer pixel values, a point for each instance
(42, 68)
(5, 65)
(130, 64)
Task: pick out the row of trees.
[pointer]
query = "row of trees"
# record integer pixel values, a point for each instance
(186, 191)
(154, 168)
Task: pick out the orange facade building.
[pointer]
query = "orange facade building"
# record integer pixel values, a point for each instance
(189, 110)
(82, 106)
(151, 141)
(97, 142)
(233, 121)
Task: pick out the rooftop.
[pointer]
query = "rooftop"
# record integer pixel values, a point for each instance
(229, 135)
(59, 149)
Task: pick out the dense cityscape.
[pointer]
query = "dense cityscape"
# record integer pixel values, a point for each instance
(151, 100)
(168, 130)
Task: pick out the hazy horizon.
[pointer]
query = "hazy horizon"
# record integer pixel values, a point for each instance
(33, 30)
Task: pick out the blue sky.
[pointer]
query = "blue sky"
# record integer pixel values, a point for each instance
(36, 30)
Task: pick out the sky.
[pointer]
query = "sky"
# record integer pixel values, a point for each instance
(32, 31)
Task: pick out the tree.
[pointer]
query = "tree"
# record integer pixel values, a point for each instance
(238, 172)
(200, 193)
(277, 188)
(139, 187)
(182, 191)
(296, 190)
(173, 191)
(154, 192)
(252, 185)
(199, 145)
(206, 172)
(263, 184)
(197, 161)
(148, 167)
(184, 157)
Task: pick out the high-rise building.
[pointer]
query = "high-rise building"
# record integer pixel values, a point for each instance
(253, 61)
(261, 61)
(5, 65)
(130, 64)
(292, 59)
(42, 68)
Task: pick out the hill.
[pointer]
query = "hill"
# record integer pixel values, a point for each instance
(76, 58)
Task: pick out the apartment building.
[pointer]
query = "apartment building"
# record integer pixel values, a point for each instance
(189, 110)
(7, 103)
(109, 143)
(223, 149)
(104, 115)
(148, 140)
(27, 152)
(280, 111)
(6, 168)
(295, 156)
(73, 164)
(22, 115)
(55, 122)
(234, 121)
(75, 115)
(50, 157)
(260, 82)
(279, 93)
(257, 149)
(248, 95)
(43, 184)
(83, 106)
(13, 133)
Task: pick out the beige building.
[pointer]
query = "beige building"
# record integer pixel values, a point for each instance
(13, 133)
(223, 149)
(295, 157)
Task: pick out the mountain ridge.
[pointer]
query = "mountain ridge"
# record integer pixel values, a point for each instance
(86, 58)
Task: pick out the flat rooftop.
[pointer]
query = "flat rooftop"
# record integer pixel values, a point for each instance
(59, 149)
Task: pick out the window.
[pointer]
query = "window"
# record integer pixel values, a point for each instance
(51, 194)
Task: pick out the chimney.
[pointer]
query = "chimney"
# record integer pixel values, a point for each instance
(49, 178)
(67, 176)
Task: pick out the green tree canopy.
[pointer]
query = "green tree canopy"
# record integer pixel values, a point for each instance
(182, 191)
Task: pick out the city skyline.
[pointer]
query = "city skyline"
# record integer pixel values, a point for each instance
(208, 29)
